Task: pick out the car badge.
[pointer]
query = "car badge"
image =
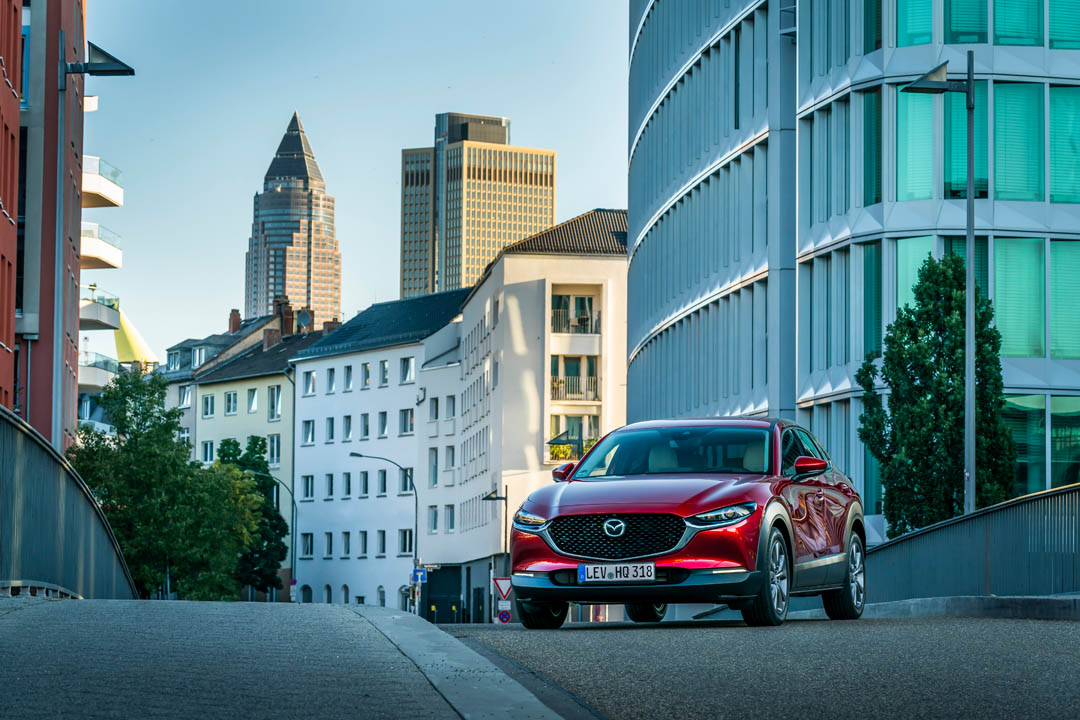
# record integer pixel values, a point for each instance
(613, 527)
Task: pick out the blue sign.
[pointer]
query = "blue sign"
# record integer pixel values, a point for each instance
(419, 575)
(504, 616)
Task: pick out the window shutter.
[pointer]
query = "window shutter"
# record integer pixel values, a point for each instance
(914, 143)
(914, 22)
(911, 253)
(1065, 24)
(1019, 296)
(1064, 290)
(956, 143)
(1065, 143)
(1018, 22)
(965, 21)
(1018, 141)
(872, 147)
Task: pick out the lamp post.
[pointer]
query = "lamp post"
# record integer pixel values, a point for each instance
(416, 514)
(935, 82)
(495, 496)
(292, 527)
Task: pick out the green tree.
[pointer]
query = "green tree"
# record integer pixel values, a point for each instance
(919, 438)
(172, 518)
(261, 561)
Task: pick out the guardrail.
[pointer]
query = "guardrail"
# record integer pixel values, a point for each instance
(1026, 546)
(54, 538)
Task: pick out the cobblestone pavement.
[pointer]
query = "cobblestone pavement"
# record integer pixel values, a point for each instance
(881, 668)
(66, 658)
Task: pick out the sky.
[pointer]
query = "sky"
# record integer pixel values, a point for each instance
(194, 130)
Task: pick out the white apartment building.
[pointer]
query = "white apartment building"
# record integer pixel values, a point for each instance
(357, 392)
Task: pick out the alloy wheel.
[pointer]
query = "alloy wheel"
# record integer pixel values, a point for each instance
(778, 576)
(857, 575)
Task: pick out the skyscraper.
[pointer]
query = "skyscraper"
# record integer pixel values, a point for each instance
(293, 250)
(466, 198)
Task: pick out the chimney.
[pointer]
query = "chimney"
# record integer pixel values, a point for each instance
(283, 309)
(234, 320)
(271, 338)
(330, 326)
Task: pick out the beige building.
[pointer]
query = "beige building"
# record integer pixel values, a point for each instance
(466, 198)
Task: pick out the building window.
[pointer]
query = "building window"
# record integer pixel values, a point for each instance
(965, 21)
(1025, 415)
(364, 429)
(346, 428)
(1018, 141)
(309, 382)
(382, 482)
(405, 541)
(329, 550)
(329, 429)
(274, 402)
(871, 26)
(1019, 296)
(914, 22)
(433, 409)
(911, 253)
(365, 376)
(384, 373)
(451, 405)
(871, 147)
(173, 360)
(1064, 290)
(433, 466)
(345, 550)
(448, 517)
(408, 367)
(914, 146)
(230, 403)
(308, 482)
(208, 451)
(405, 421)
(1018, 22)
(957, 245)
(1065, 141)
(308, 429)
(329, 486)
(253, 400)
(346, 484)
(1064, 24)
(273, 450)
(405, 480)
(448, 453)
(329, 380)
(198, 357)
(1065, 441)
(380, 543)
(307, 545)
(208, 406)
(956, 144)
(382, 424)
(361, 541)
(184, 400)
(185, 435)
(363, 483)
(348, 378)
(433, 518)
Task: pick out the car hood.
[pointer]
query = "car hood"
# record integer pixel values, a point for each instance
(680, 494)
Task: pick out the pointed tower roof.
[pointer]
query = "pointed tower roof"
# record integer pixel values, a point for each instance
(294, 157)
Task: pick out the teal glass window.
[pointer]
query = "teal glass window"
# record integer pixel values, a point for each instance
(1065, 24)
(1018, 141)
(956, 144)
(872, 147)
(1020, 296)
(957, 245)
(871, 493)
(1025, 416)
(914, 22)
(1064, 441)
(871, 26)
(911, 253)
(1065, 143)
(965, 21)
(872, 299)
(1018, 22)
(914, 146)
(1064, 293)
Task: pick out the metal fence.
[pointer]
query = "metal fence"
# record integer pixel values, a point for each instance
(54, 539)
(1026, 546)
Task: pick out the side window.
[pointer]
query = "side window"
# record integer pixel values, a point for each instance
(791, 447)
(812, 446)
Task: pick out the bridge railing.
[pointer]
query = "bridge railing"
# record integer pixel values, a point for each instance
(1026, 546)
(54, 538)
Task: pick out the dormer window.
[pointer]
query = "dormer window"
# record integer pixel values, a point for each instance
(173, 360)
(198, 357)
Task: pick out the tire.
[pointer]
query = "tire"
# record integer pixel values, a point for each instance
(646, 612)
(848, 602)
(541, 615)
(770, 606)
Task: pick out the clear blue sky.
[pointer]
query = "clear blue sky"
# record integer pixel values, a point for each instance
(216, 83)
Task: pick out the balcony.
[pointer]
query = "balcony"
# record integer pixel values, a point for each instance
(100, 184)
(573, 387)
(448, 426)
(562, 321)
(98, 310)
(433, 428)
(100, 248)
(95, 371)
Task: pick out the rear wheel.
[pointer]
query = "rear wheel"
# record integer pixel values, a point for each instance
(646, 612)
(770, 607)
(847, 603)
(542, 615)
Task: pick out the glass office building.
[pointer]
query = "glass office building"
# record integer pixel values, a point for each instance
(872, 182)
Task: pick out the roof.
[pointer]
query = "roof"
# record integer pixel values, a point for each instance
(294, 158)
(257, 361)
(217, 343)
(596, 232)
(391, 323)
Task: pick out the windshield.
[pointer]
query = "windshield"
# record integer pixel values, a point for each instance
(678, 450)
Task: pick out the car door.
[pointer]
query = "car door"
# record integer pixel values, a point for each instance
(805, 511)
(834, 501)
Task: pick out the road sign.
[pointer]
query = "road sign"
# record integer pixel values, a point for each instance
(419, 575)
(504, 586)
(293, 581)
(429, 566)
(504, 617)
(504, 604)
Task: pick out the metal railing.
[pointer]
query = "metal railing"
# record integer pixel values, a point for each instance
(572, 387)
(97, 360)
(101, 297)
(1026, 546)
(563, 322)
(94, 230)
(54, 538)
(96, 166)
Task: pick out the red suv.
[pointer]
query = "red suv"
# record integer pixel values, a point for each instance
(745, 512)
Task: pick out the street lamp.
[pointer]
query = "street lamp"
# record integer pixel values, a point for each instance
(493, 496)
(416, 511)
(935, 82)
(292, 546)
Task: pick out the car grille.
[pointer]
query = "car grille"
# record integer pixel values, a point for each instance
(646, 534)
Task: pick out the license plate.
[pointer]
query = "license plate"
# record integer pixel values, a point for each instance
(617, 572)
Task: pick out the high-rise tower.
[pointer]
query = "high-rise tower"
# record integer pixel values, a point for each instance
(466, 198)
(293, 250)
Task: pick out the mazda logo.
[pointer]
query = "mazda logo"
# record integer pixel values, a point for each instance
(614, 527)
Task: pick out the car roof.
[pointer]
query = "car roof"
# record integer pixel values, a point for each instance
(727, 421)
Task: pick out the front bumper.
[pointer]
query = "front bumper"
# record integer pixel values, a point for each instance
(698, 586)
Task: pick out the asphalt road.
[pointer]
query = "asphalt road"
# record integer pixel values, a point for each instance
(895, 668)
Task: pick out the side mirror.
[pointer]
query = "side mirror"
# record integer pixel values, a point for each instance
(562, 472)
(806, 466)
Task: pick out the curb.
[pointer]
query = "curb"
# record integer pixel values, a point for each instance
(472, 685)
(981, 606)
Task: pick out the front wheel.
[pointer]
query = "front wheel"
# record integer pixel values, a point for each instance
(542, 615)
(646, 612)
(848, 602)
(770, 606)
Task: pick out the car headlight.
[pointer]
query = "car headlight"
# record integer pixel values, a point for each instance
(527, 520)
(725, 516)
